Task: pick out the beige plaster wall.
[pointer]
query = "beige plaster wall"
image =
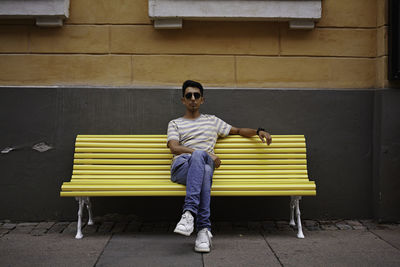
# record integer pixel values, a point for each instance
(114, 43)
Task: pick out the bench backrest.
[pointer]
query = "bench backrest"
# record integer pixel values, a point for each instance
(145, 159)
(128, 165)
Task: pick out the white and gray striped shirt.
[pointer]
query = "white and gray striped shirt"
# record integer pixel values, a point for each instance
(199, 134)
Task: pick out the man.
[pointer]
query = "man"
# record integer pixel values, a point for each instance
(191, 139)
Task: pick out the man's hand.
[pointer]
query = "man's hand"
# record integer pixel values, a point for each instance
(217, 161)
(264, 136)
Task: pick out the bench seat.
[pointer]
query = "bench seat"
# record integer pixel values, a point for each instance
(139, 165)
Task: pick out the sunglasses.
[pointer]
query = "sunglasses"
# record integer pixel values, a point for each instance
(189, 95)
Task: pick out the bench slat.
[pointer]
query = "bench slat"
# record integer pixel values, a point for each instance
(167, 167)
(165, 136)
(171, 186)
(168, 181)
(168, 161)
(168, 176)
(167, 151)
(255, 144)
(183, 193)
(163, 139)
(169, 156)
(166, 172)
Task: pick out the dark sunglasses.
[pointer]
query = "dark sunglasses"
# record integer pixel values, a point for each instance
(189, 95)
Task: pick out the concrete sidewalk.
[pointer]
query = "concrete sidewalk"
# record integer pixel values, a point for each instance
(131, 243)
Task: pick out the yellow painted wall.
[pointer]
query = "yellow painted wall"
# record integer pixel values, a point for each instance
(113, 43)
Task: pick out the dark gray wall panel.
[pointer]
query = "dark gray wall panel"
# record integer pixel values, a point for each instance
(387, 159)
(337, 124)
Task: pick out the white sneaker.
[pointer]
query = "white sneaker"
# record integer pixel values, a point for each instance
(185, 225)
(203, 241)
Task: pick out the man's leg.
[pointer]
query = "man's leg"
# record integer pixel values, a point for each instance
(203, 224)
(192, 170)
(179, 170)
(195, 179)
(203, 214)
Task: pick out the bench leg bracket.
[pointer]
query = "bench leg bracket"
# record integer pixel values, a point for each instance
(82, 201)
(295, 208)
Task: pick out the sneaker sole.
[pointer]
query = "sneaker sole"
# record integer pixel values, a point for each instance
(204, 250)
(182, 232)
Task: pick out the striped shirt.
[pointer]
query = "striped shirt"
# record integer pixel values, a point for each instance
(199, 134)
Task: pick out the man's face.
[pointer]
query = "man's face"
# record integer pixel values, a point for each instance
(192, 104)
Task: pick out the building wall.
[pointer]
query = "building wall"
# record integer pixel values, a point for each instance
(113, 43)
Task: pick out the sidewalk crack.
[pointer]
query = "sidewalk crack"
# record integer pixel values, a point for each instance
(378, 236)
(270, 247)
(102, 251)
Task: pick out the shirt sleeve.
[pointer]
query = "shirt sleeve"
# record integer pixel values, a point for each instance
(223, 128)
(172, 133)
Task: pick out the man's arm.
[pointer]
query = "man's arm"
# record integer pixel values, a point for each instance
(178, 149)
(247, 132)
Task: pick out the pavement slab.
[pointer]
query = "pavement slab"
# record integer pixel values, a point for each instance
(42, 228)
(391, 236)
(356, 225)
(106, 227)
(269, 226)
(333, 248)
(311, 225)
(329, 227)
(45, 225)
(24, 228)
(3, 232)
(150, 249)
(50, 250)
(58, 228)
(9, 226)
(38, 232)
(283, 226)
(343, 226)
(240, 250)
(119, 227)
(88, 229)
(71, 228)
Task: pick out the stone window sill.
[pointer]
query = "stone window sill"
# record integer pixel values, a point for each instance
(170, 13)
(47, 13)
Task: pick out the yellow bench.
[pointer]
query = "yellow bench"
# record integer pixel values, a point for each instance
(139, 165)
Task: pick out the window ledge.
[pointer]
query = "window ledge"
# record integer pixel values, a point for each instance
(48, 13)
(301, 13)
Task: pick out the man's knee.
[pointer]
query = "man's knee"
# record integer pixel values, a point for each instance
(199, 154)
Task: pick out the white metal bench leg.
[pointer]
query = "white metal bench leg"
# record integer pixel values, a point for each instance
(80, 211)
(82, 201)
(89, 208)
(299, 227)
(292, 206)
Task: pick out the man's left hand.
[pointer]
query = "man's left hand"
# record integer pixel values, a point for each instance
(216, 159)
(265, 137)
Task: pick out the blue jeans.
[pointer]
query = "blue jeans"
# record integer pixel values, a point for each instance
(195, 171)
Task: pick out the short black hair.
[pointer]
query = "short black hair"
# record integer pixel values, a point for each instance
(190, 83)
